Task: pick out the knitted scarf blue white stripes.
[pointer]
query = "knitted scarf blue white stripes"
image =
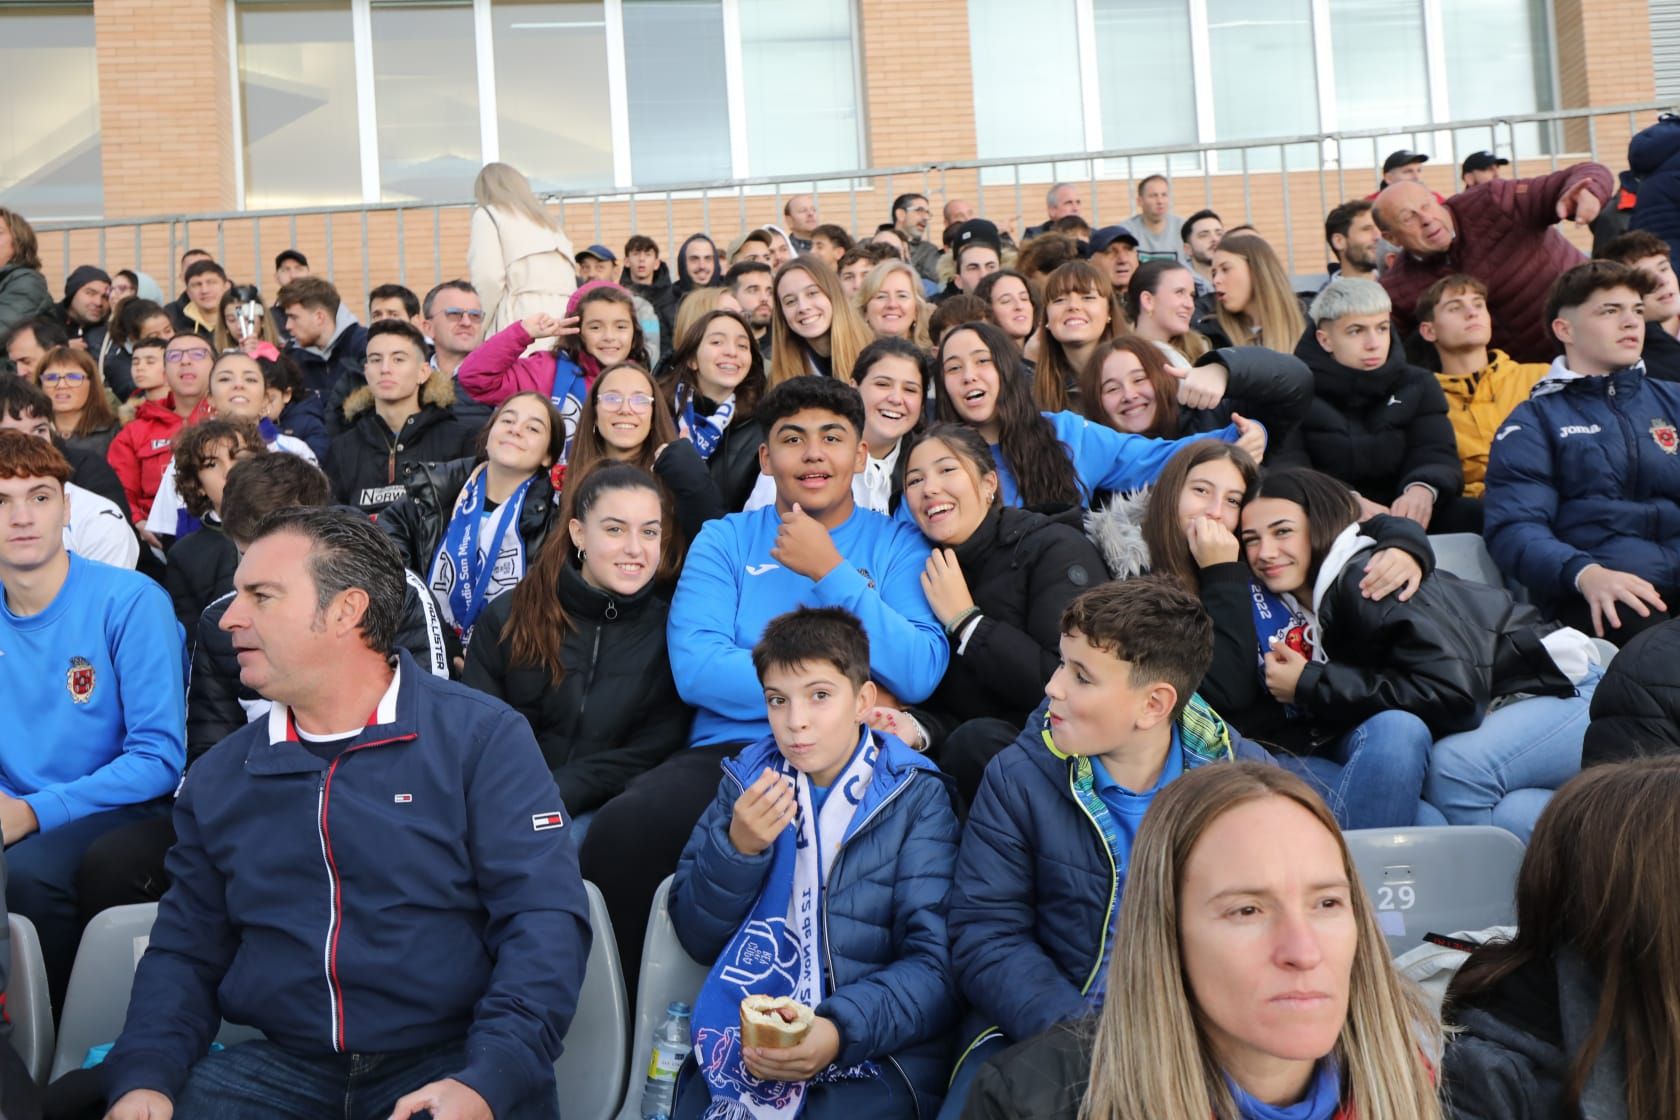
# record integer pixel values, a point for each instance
(777, 951)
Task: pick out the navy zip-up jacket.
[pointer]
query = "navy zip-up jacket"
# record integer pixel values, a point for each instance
(888, 978)
(1587, 473)
(414, 891)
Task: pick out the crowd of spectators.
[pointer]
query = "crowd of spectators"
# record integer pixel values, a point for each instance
(992, 631)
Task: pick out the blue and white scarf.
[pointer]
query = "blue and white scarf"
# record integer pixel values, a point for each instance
(777, 951)
(705, 432)
(462, 572)
(570, 390)
(1279, 619)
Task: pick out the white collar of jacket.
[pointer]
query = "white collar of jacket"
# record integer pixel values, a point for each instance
(1349, 542)
(1560, 377)
(280, 715)
(876, 479)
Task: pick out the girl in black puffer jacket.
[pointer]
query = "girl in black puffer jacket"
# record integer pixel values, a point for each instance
(998, 580)
(578, 648)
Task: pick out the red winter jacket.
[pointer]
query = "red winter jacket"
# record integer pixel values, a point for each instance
(1504, 239)
(143, 449)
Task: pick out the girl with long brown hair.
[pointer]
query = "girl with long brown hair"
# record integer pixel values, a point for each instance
(1250, 978)
(1256, 306)
(713, 381)
(1081, 311)
(1577, 1014)
(578, 647)
(814, 328)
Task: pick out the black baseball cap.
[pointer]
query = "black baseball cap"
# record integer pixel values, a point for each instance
(976, 230)
(1482, 161)
(290, 255)
(1101, 239)
(1402, 158)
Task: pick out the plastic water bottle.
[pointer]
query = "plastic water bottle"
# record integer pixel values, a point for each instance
(671, 1047)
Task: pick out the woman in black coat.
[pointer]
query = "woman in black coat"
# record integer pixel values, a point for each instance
(713, 380)
(998, 579)
(578, 648)
(529, 446)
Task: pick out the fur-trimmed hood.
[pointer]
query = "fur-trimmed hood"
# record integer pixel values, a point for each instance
(1117, 531)
(438, 389)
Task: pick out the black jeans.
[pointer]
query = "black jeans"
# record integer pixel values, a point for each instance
(635, 840)
(1574, 611)
(125, 866)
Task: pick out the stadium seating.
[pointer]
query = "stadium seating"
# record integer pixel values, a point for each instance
(1437, 880)
(668, 974)
(594, 1065)
(28, 1003)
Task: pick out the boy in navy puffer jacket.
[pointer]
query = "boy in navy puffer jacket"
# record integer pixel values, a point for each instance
(1583, 479)
(820, 873)
(1043, 860)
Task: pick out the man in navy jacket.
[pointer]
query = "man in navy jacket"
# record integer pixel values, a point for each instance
(1583, 479)
(379, 875)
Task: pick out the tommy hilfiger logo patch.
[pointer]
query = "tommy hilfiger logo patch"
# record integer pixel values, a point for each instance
(542, 822)
(79, 680)
(403, 798)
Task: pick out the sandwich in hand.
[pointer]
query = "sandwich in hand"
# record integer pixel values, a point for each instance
(774, 1022)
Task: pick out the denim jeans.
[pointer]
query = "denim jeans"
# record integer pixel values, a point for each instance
(1372, 777)
(1504, 771)
(260, 1081)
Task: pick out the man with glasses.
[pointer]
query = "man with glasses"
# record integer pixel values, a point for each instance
(910, 214)
(400, 419)
(452, 319)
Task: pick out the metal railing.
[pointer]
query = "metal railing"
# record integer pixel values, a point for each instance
(1331, 166)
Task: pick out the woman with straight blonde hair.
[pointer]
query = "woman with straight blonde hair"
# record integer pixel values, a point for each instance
(519, 257)
(1256, 306)
(892, 304)
(814, 328)
(1250, 979)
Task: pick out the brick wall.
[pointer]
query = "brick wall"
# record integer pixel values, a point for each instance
(165, 106)
(917, 85)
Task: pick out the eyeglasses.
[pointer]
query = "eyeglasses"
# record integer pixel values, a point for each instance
(176, 357)
(639, 402)
(456, 314)
(68, 377)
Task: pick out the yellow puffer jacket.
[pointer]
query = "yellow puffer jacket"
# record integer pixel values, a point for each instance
(1478, 404)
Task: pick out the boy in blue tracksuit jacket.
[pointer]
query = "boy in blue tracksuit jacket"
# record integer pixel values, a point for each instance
(871, 959)
(92, 664)
(1583, 479)
(814, 547)
(408, 888)
(1044, 854)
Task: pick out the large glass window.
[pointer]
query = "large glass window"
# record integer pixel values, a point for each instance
(1264, 77)
(425, 82)
(49, 116)
(1382, 72)
(1027, 96)
(800, 85)
(678, 94)
(553, 105)
(1513, 79)
(1147, 77)
(297, 91)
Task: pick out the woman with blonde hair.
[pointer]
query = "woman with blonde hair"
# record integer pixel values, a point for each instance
(891, 303)
(1253, 983)
(519, 257)
(1255, 305)
(814, 328)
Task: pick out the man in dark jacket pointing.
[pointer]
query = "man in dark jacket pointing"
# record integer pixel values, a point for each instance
(379, 875)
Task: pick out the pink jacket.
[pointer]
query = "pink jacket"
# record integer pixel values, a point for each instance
(495, 371)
